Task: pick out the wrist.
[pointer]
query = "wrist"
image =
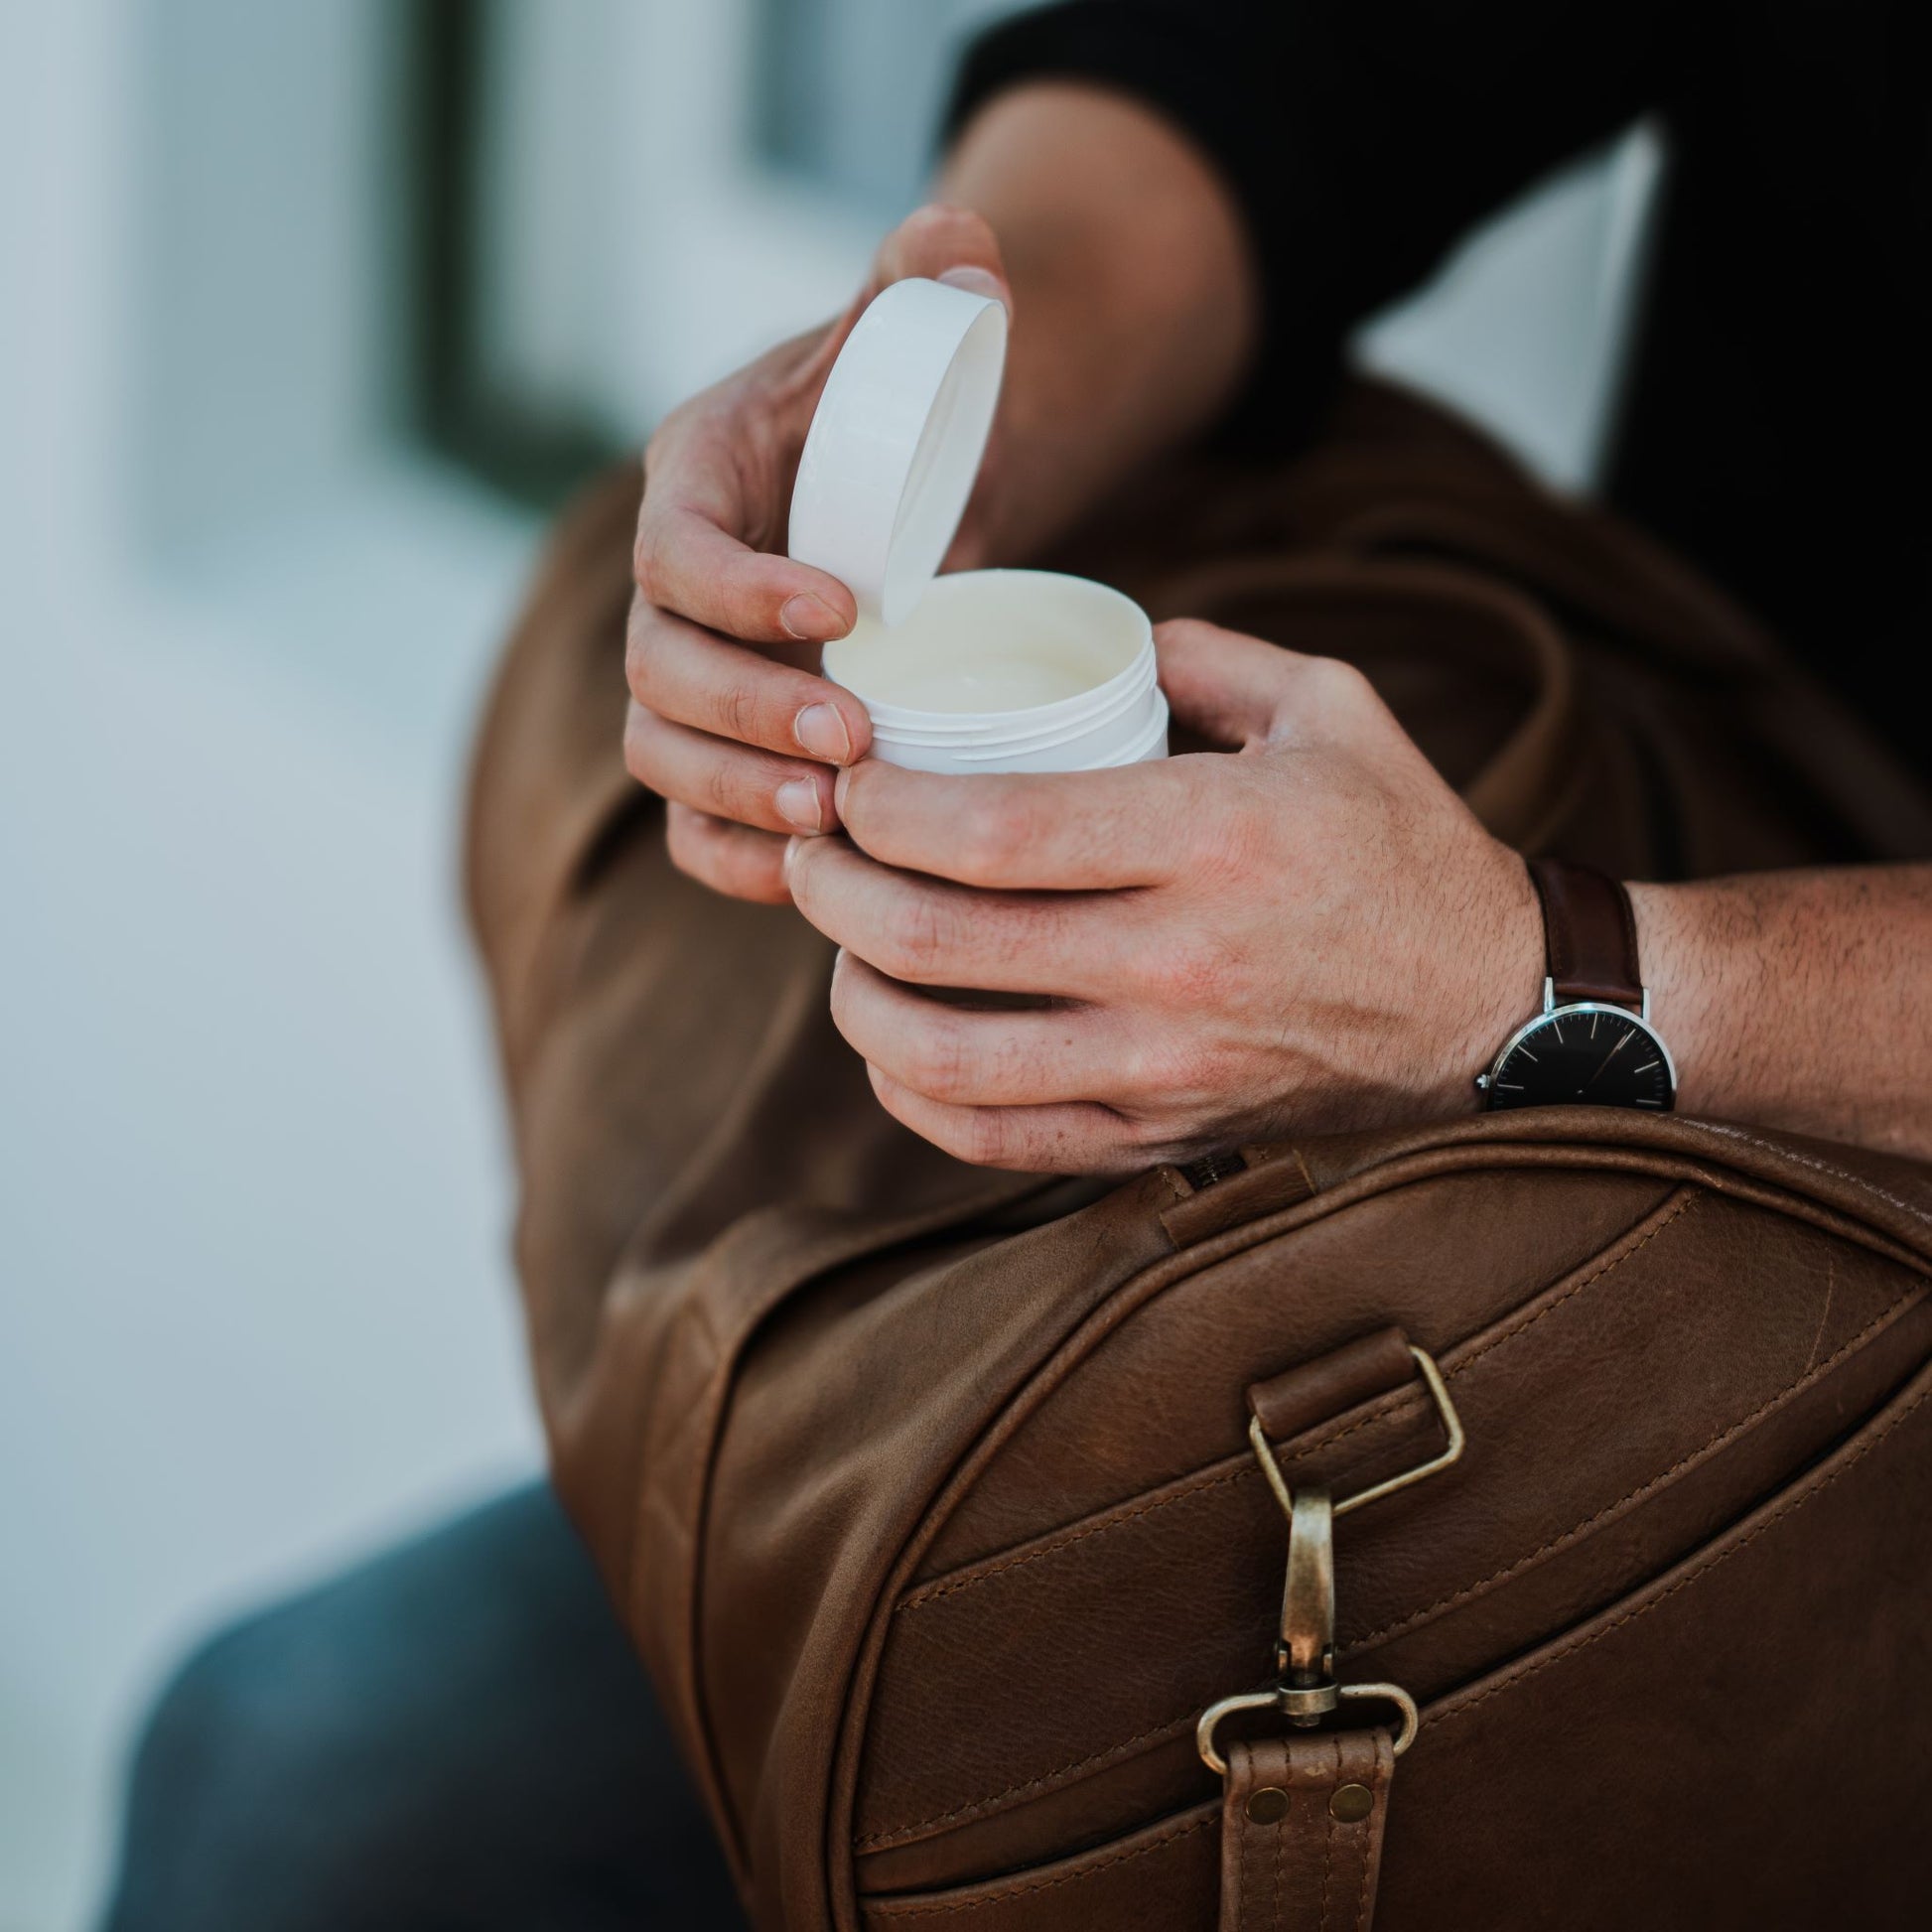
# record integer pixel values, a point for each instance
(1502, 984)
(1692, 972)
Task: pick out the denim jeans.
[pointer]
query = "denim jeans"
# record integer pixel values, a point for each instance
(456, 1734)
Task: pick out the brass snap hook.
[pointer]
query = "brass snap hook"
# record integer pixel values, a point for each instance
(1305, 1689)
(1210, 1720)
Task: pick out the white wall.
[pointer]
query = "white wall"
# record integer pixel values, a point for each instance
(253, 1303)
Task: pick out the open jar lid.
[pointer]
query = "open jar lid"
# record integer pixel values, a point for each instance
(896, 439)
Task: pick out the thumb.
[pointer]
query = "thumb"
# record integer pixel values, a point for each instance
(950, 245)
(1224, 685)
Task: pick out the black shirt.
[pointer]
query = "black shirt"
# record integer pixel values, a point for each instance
(1776, 424)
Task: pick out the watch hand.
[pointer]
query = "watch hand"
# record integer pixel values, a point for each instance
(1629, 1035)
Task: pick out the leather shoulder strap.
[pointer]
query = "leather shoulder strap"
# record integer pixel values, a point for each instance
(1302, 1831)
(1591, 934)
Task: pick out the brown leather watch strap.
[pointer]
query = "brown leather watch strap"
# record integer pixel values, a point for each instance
(1591, 934)
(1302, 1831)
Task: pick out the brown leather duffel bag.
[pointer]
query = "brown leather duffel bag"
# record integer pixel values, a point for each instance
(943, 1503)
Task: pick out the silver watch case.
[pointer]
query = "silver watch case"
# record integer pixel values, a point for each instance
(1487, 1083)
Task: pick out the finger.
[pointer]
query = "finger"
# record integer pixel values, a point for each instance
(690, 555)
(1222, 683)
(730, 859)
(685, 562)
(727, 780)
(1241, 690)
(695, 677)
(974, 1059)
(950, 245)
(1065, 831)
(1070, 1138)
(931, 933)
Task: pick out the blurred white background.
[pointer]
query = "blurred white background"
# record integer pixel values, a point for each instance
(306, 307)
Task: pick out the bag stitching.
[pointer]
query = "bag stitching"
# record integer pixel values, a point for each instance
(1524, 1324)
(1329, 1834)
(1920, 1214)
(889, 1910)
(1280, 1845)
(1372, 1840)
(919, 1599)
(1723, 1436)
(1781, 1514)
(892, 1834)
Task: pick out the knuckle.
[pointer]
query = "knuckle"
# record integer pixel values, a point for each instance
(939, 1065)
(1186, 972)
(739, 712)
(726, 788)
(915, 937)
(639, 657)
(1143, 1132)
(1338, 683)
(636, 744)
(1183, 632)
(983, 1139)
(685, 844)
(989, 837)
(646, 551)
(1164, 1073)
(1189, 1071)
(856, 796)
(1148, 1067)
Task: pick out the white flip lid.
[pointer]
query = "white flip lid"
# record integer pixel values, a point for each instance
(896, 439)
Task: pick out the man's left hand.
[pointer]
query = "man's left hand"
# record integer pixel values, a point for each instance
(1310, 934)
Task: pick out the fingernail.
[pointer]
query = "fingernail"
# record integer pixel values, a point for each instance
(975, 281)
(820, 730)
(798, 804)
(811, 618)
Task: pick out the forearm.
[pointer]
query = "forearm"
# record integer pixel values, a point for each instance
(1135, 294)
(1799, 998)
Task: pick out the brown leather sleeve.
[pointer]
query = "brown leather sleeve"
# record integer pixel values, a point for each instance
(1590, 932)
(547, 779)
(1301, 1825)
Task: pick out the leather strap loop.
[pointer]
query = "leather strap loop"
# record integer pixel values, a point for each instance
(1311, 1392)
(1591, 934)
(1302, 1826)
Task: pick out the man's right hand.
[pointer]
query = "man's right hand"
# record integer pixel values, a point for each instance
(729, 719)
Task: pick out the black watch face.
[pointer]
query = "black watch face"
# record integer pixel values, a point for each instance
(1596, 1056)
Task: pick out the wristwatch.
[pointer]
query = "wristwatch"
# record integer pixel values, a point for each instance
(1592, 1043)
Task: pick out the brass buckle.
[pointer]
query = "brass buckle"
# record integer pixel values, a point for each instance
(1452, 1429)
(1304, 1691)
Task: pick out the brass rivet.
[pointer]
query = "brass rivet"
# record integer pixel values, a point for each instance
(1352, 1803)
(1269, 1805)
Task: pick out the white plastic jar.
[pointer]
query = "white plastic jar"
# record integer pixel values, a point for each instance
(1009, 670)
(985, 670)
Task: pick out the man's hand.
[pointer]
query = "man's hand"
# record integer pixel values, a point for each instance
(1138, 305)
(729, 719)
(1313, 932)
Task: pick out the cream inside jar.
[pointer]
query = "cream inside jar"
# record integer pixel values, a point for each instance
(1007, 671)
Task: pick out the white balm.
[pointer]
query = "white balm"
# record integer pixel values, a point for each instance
(1007, 671)
(986, 670)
